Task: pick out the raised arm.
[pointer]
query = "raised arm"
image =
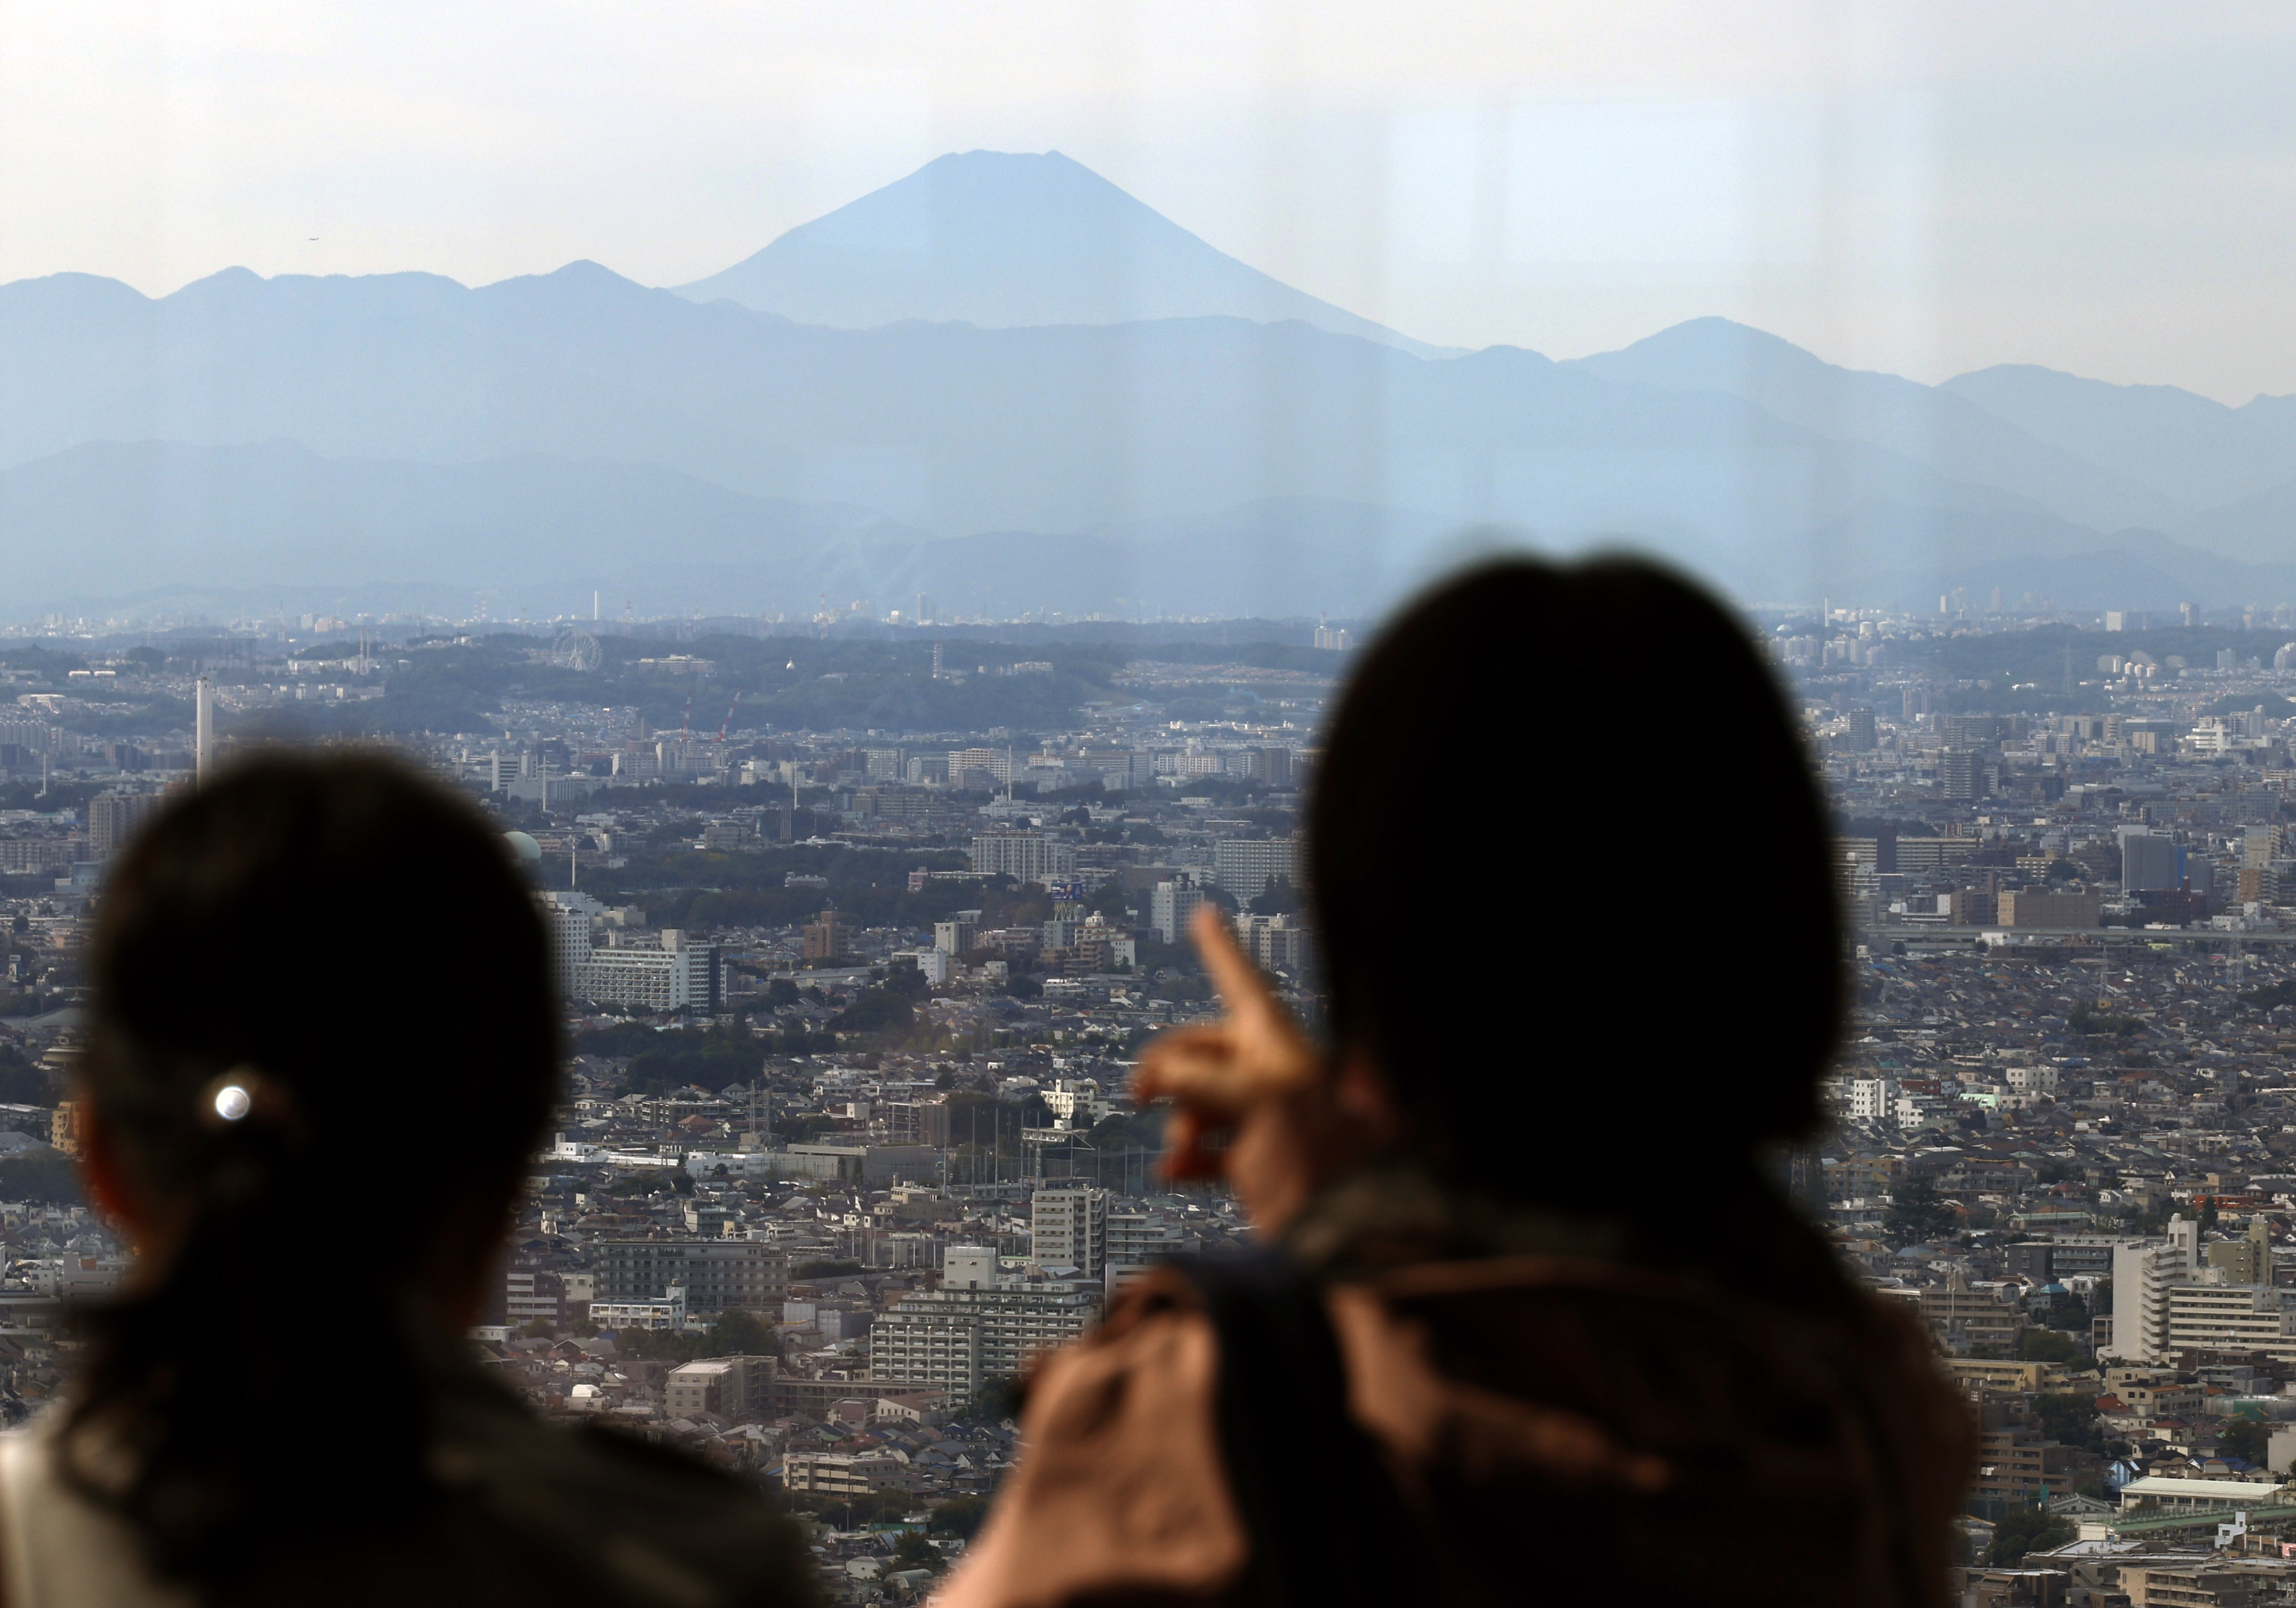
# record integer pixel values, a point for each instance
(1293, 1115)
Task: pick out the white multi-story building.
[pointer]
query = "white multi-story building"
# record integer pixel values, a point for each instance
(669, 973)
(1170, 904)
(2144, 1273)
(1872, 1099)
(1077, 1102)
(667, 1313)
(957, 1339)
(1279, 943)
(1027, 856)
(1244, 866)
(2217, 1316)
(970, 1268)
(1068, 1227)
(936, 966)
(738, 1388)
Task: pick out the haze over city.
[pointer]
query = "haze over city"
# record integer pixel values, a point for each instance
(887, 676)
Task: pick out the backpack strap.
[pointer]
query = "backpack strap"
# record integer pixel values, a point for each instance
(1327, 1526)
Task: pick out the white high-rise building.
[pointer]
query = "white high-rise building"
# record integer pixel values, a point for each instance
(2142, 1274)
(1244, 866)
(1068, 1225)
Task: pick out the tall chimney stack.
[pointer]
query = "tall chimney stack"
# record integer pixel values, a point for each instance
(203, 730)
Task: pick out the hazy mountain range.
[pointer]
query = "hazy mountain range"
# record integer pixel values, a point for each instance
(1004, 382)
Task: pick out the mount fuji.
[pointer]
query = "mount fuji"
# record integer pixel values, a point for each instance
(1008, 241)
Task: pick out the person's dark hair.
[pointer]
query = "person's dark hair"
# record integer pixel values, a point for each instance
(1556, 1023)
(354, 943)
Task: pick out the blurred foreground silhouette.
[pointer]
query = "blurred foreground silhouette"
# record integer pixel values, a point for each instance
(278, 954)
(1478, 1362)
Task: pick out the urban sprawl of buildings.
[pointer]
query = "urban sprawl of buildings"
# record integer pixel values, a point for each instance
(845, 1139)
(855, 991)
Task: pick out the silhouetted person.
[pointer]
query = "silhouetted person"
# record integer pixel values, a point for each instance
(1534, 1326)
(325, 1043)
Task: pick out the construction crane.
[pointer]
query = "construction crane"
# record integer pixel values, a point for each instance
(685, 726)
(728, 720)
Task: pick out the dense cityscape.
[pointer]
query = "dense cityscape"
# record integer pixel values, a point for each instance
(863, 923)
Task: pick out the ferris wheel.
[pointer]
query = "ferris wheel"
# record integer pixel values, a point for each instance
(577, 650)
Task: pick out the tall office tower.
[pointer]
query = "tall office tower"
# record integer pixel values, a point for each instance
(2150, 861)
(203, 729)
(1861, 737)
(1966, 773)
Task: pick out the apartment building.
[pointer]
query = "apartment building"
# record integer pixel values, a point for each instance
(715, 1274)
(1244, 866)
(1026, 857)
(957, 1339)
(2218, 1315)
(734, 1388)
(665, 972)
(2143, 1272)
(1068, 1227)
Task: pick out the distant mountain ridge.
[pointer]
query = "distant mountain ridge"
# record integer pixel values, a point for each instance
(570, 431)
(1959, 438)
(1007, 240)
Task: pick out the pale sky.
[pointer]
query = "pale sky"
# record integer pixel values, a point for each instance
(2108, 188)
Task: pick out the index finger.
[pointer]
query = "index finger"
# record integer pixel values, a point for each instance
(1238, 980)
